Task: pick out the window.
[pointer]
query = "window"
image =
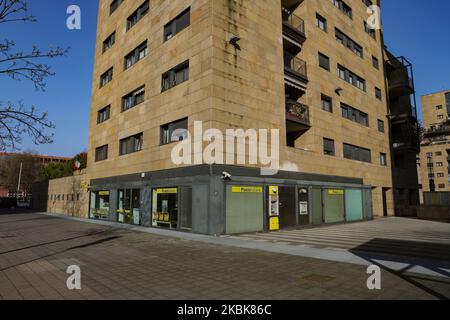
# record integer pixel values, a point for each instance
(381, 126)
(174, 131)
(109, 42)
(136, 55)
(129, 206)
(368, 2)
(327, 103)
(383, 159)
(439, 164)
(438, 107)
(351, 78)
(324, 61)
(321, 22)
(439, 153)
(104, 114)
(131, 144)
(341, 5)
(447, 101)
(181, 22)
(440, 175)
(138, 14)
(106, 78)
(328, 147)
(349, 43)
(441, 117)
(114, 5)
(369, 31)
(441, 186)
(101, 153)
(357, 153)
(378, 94)
(354, 115)
(375, 63)
(133, 99)
(429, 154)
(175, 76)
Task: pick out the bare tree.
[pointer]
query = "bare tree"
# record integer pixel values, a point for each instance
(17, 120)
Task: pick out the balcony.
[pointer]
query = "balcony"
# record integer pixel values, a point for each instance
(401, 86)
(293, 27)
(437, 131)
(297, 121)
(295, 75)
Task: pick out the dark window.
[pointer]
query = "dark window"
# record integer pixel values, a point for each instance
(324, 61)
(136, 55)
(174, 131)
(181, 22)
(349, 43)
(439, 164)
(357, 153)
(447, 101)
(381, 126)
(370, 32)
(327, 103)
(137, 15)
(439, 153)
(101, 153)
(438, 107)
(131, 144)
(354, 115)
(321, 22)
(383, 159)
(351, 78)
(378, 94)
(367, 2)
(441, 186)
(175, 76)
(375, 63)
(106, 78)
(133, 98)
(109, 42)
(328, 147)
(440, 175)
(114, 5)
(341, 5)
(104, 114)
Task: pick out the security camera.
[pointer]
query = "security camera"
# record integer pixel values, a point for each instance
(226, 176)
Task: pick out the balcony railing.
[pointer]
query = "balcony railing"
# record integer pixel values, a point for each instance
(298, 110)
(438, 130)
(295, 64)
(296, 23)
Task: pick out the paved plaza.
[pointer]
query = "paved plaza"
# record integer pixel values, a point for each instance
(122, 263)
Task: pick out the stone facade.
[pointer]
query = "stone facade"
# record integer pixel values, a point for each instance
(241, 88)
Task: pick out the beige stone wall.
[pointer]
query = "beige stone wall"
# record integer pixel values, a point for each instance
(430, 111)
(229, 88)
(67, 196)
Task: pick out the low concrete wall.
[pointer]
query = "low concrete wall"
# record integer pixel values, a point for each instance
(438, 213)
(62, 196)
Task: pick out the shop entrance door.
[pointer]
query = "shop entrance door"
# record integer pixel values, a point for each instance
(288, 218)
(303, 207)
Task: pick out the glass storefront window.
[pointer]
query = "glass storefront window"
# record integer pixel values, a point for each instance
(165, 208)
(128, 206)
(99, 206)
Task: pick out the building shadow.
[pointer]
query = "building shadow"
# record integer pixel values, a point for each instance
(407, 256)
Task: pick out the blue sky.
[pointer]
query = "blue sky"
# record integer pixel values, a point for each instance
(414, 28)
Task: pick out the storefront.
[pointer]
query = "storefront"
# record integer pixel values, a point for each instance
(129, 206)
(99, 205)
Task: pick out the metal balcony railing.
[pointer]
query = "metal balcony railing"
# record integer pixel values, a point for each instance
(295, 64)
(293, 21)
(444, 129)
(299, 110)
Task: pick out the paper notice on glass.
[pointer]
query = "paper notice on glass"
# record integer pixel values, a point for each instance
(136, 216)
(303, 208)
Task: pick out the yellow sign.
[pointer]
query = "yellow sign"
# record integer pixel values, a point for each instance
(273, 190)
(84, 185)
(274, 224)
(247, 189)
(103, 193)
(335, 192)
(167, 191)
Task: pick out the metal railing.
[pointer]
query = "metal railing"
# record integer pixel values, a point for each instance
(298, 110)
(438, 130)
(292, 20)
(295, 64)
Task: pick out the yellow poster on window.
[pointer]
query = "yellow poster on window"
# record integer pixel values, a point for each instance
(335, 192)
(247, 189)
(103, 193)
(167, 191)
(274, 223)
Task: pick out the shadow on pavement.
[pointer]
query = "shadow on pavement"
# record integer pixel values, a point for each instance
(410, 254)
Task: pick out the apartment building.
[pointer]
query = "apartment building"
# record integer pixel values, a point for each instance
(435, 146)
(312, 69)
